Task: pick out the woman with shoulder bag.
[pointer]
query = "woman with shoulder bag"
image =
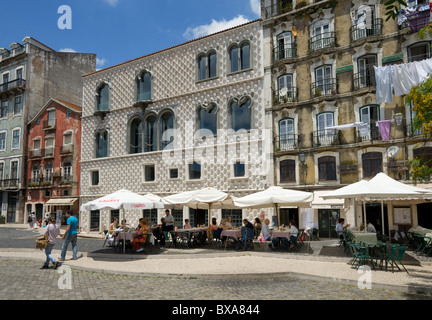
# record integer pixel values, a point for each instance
(52, 231)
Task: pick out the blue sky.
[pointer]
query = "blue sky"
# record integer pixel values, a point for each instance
(119, 30)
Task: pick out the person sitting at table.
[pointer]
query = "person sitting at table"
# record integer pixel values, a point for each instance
(141, 236)
(228, 223)
(214, 224)
(293, 232)
(139, 224)
(222, 226)
(266, 230)
(111, 231)
(158, 232)
(370, 227)
(257, 227)
(123, 224)
(247, 232)
(187, 225)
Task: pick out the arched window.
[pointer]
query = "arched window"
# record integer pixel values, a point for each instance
(207, 66)
(372, 164)
(287, 139)
(103, 98)
(208, 119)
(144, 87)
(150, 137)
(102, 144)
(285, 46)
(166, 122)
(136, 136)
(241, 114)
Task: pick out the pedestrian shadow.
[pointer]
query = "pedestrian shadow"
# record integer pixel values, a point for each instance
(108, 254)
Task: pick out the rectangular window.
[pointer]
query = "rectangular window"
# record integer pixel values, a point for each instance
(4, 109)
(18, 105)
(287, 171)
(327, 168)
(194, 171)
(1, 170)
(68, 113)
(95, 178)
(149, 173)
(174, 174)
(16, 139)
(151, 216)
(3, 141)
(68, 139)
(19, 74)
(236, 216)
(14, 170)
(239, 169)
(94, 220)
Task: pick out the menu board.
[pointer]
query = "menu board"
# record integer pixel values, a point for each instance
(402, 216)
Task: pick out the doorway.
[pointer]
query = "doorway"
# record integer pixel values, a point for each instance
(286, 215)
(424, 215)
(374, 216)
(327, 221)
(39, 211)
(198, 217)
(11, 209)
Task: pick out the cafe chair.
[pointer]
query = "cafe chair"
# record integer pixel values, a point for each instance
(106, 238)
(168, 239)
(363, 257)
(395, 256)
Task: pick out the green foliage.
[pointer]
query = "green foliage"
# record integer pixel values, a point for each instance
(392, 8)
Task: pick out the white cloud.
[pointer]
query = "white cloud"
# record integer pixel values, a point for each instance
(68, 50)
(213, 27)
(112, 3)
(256, 7)
(100, 62)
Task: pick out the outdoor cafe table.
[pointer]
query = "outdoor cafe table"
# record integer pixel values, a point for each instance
(235, 234)
(280, 234)
(360, 236)
(130, 235)
(188, 232)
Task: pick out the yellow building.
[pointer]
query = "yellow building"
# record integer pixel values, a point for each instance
(319, 59)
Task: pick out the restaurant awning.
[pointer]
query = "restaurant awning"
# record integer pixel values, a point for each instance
(319, 203)
(62, 201)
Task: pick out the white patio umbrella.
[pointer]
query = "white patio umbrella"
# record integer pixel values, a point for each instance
(207, 198)
(381, 188)
(275, 197)
(122, 199)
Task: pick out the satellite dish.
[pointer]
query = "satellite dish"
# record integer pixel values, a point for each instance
(283, 91)
(392, 152)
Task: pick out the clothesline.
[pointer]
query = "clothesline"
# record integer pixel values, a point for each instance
(400, 78)
(364, 128)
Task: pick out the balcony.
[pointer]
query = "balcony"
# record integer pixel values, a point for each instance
(67, 150)
(14, 86)
(280, 7)
(286, 53)
(287, 142)
(365, 31)
(368, 133)
(35, 154)
(49, 153)
(285, 95)
(40, 182)
(410, 132)
(416, 17)
(365, 79)
(322, 88)
(66, 180)
(322, 41)
(9, 184)
(325, 138)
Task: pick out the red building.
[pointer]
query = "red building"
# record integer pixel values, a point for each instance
(53, 163)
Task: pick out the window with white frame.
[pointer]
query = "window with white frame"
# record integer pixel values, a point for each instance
(2, 170)
(325, 136)
(67, 138)
(18, 105)
(14, 170)
(4, 109)
(285, 46)
(287, 139)
(94, 177)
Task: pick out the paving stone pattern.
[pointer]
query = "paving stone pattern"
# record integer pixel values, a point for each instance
(22, 280)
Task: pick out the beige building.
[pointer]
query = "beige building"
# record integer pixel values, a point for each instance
(318, 60)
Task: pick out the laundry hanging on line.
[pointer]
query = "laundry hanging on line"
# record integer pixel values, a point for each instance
(400, 78)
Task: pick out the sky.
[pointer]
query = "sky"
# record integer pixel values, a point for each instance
(120, 30)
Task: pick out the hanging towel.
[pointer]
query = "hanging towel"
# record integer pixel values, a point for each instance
(364, 130)
(383, 84)
(417, 71)
(397, 80)
(384, 128)
(427, 65)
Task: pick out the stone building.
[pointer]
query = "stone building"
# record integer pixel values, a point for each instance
(318, 60)
(31, 73)
(54, 152)
(184, 118)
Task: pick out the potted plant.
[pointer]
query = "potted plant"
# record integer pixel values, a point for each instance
(317, 92)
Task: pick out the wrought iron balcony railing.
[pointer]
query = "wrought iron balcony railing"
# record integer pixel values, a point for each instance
(326, 137)
(326, 87)
(366, 30)
(14, 84)
(322, 41)
(285, 53)
(287, 142)
(365, 79)
(286, 95)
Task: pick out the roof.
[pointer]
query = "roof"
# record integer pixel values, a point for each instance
(67, 105)
(173, 47)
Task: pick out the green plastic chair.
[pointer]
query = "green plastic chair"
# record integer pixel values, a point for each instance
(397, 253)
(426, 245)
(168, 239)
(363, 257)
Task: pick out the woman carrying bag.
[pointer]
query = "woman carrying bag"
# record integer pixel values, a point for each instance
(52, 231)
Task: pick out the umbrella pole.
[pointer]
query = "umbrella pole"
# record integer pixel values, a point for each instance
(364, 214)
(124, 234)
(277, 215)
(382, 216)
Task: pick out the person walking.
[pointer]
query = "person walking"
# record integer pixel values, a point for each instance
(53, 231)
(70, 236)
